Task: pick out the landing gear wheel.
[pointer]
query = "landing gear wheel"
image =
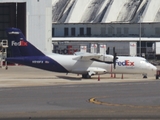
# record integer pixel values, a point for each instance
(145, 76)
(157, 76)
(86, 76)
(6, 67)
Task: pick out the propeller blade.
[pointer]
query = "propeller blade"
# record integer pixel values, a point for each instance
(114, 57)
(113, 50)
(107, 51)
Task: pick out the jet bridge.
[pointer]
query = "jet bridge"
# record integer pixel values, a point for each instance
(3, 53)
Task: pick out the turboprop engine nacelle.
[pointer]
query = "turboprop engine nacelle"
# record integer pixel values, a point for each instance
(96, 71)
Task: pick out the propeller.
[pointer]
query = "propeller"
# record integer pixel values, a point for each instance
(114, 57)
(109, 62)
(107, 51)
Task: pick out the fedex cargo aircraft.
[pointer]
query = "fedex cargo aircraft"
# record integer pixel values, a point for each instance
(86, 64)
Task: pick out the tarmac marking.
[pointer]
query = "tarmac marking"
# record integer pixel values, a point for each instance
(98, 102)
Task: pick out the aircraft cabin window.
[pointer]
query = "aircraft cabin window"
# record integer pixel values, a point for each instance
(144, 61)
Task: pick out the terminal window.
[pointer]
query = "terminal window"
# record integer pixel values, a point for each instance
(157, 31)
(88, 31)
(66, 32)
(81, 31)
(73, 32)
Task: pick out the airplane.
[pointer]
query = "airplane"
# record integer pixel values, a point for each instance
(86, 64)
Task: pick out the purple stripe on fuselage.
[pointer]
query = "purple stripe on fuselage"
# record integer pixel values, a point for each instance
(42, 62)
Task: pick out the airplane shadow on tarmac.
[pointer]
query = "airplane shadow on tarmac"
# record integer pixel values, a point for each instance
(70, 78)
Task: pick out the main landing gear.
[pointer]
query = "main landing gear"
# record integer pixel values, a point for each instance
(144, 76)
(86, 76)
(157, 74)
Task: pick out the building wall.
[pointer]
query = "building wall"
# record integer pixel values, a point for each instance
(109, 30)
(38, 22)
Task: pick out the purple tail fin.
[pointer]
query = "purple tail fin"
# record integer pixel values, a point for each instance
(18, 44)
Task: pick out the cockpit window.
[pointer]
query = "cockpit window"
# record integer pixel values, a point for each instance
(144, 61)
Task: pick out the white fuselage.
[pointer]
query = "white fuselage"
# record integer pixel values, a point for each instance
(124, 65)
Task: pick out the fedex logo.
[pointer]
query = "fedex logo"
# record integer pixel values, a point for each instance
(125, 63)
(20, 43)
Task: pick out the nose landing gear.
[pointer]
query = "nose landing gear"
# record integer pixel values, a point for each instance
(144, 76)
(157, 74)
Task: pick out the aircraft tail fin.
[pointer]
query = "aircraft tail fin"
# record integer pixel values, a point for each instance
(19, 46)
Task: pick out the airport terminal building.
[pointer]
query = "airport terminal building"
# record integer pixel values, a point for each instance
(68, 25)
(107, 22)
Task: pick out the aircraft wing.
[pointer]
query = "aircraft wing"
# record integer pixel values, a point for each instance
(87, 56)
(94, 57)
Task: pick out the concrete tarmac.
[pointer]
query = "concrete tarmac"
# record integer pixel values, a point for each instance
(20, 76)
(28, 93)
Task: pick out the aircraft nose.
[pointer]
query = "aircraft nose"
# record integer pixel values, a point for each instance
(154, 68)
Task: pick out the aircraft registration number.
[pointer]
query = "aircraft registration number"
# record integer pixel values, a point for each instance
(37, 62)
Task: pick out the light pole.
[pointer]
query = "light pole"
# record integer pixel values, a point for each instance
(140, 36)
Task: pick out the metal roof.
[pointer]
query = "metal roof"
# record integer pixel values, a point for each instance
(105, 11)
